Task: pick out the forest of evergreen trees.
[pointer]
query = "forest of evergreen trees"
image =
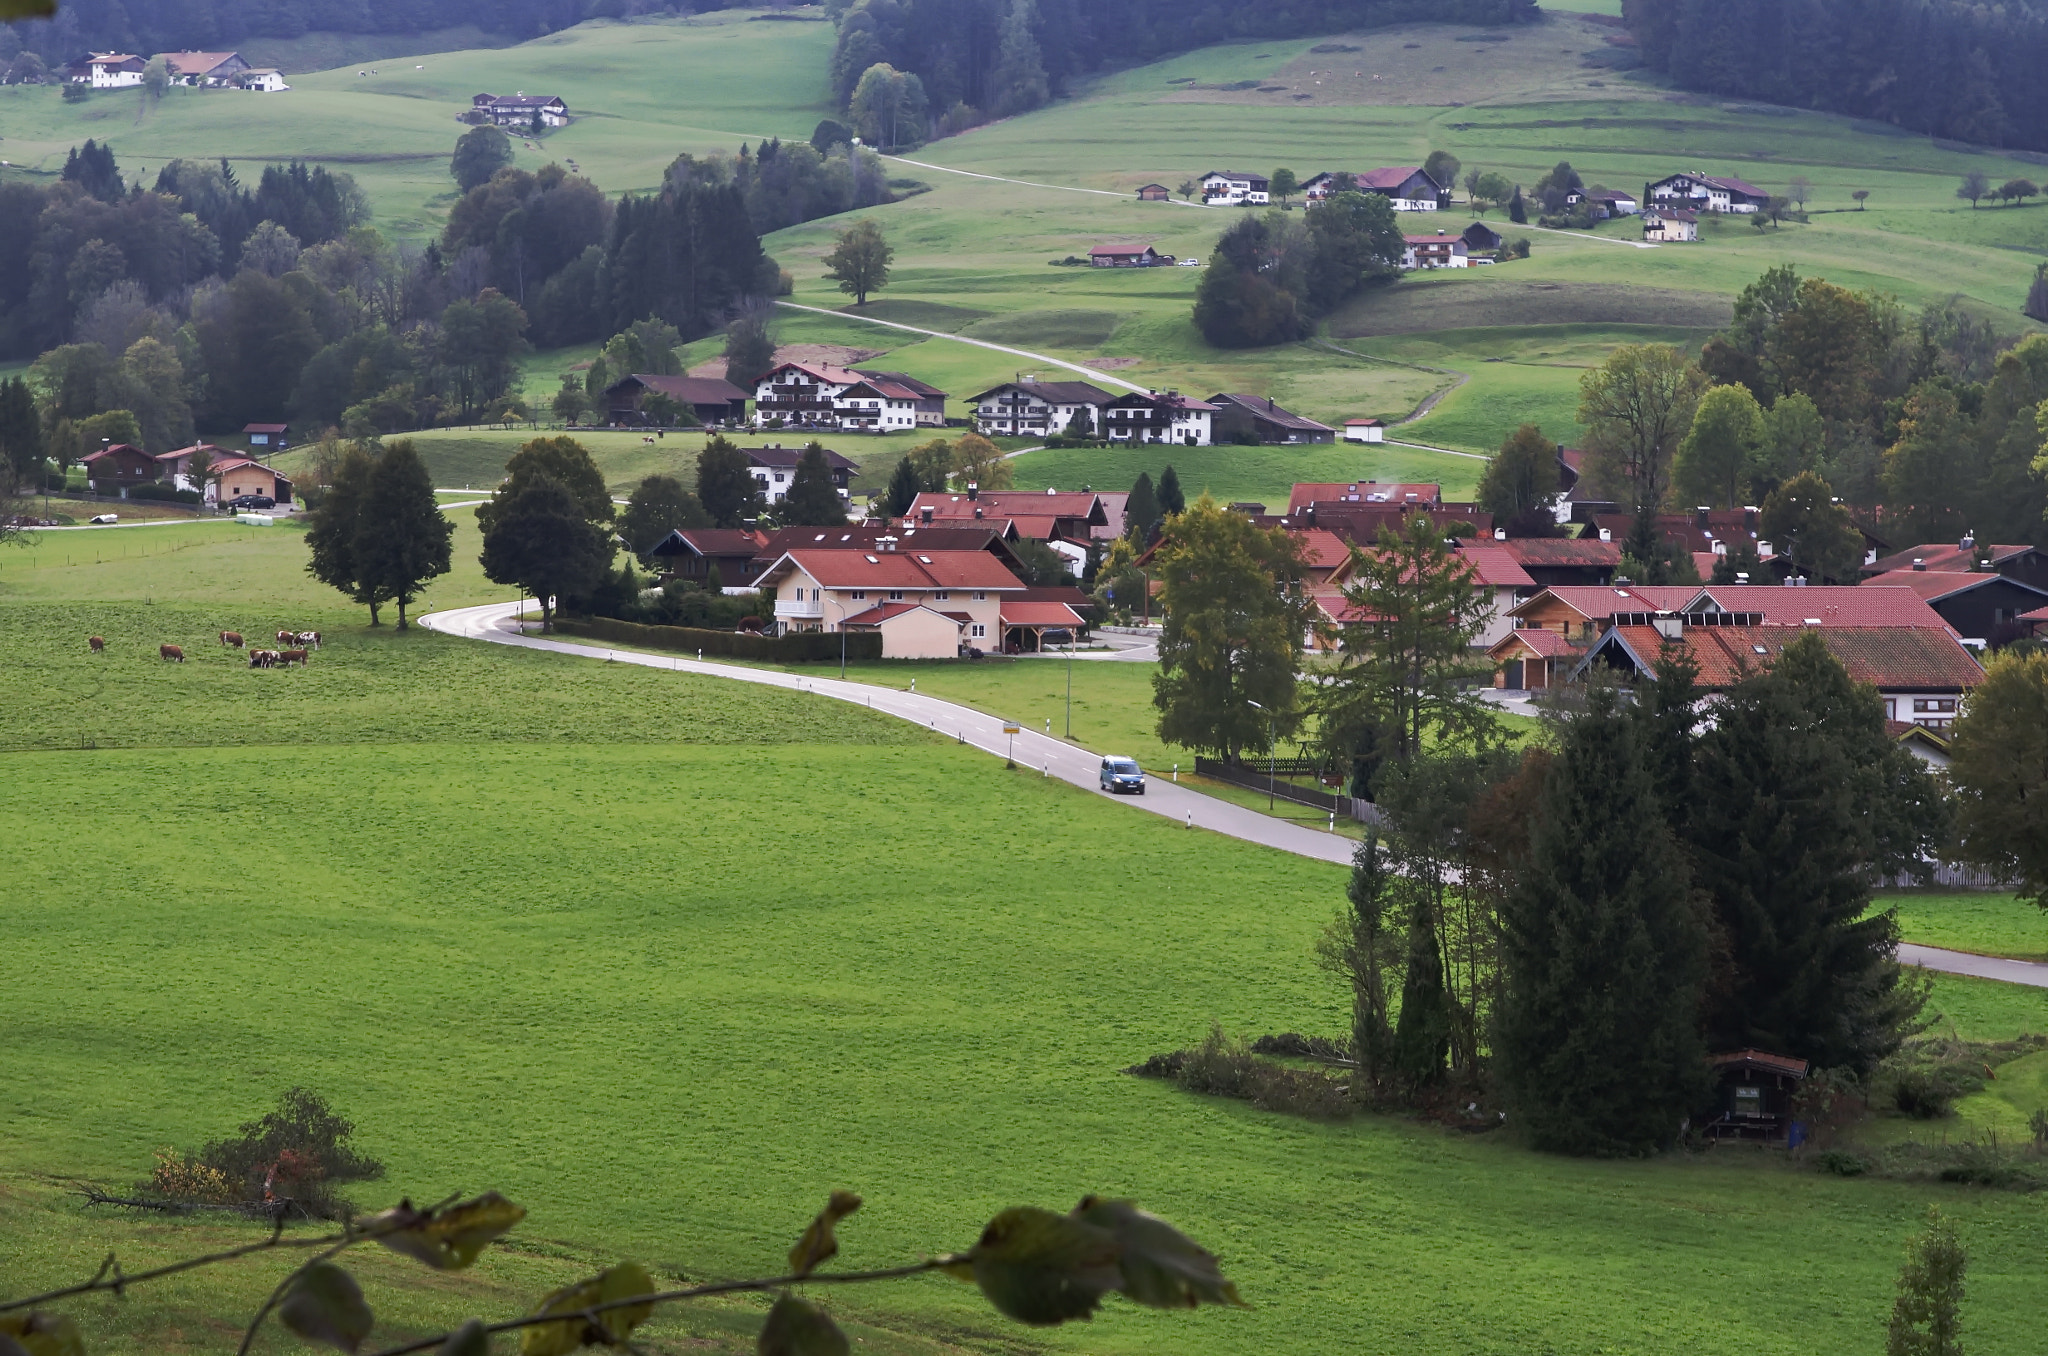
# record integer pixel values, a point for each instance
(1943, 67)
(178, 25)
(992, 58)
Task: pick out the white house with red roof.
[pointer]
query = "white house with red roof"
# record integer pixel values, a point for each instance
(876, 405)
(1050, 516)
(1704, 193)
(206, 69)
(1441, 250)
(1672, 225)
(1235, 187)
(106, 70)
(801, 395)
(887, 589)
(1406, 187)
(1159, 417)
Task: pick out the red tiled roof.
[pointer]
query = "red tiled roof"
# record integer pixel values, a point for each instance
(1026, 613)
(1563, 551)
(1390, 177)
(1321, 548)
(713, 541)
(1783, 1064)
(1598, 602)
(1942, 556)
(195, 63)
(1084, 504)
(875, 616)
(1496, 567)
(1906, 658)
(687, 389)
(263, 428)
(1360, 492)
(903, 569)
(1830, 604)
(1933, 584)
(2039, 614)
(1543, 643)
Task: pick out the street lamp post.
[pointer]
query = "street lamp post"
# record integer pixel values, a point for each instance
(1269, 752)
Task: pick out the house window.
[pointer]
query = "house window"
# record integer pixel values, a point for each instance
(1923, 705)
(895, 595)
(978, 631)
(980, 597)
(858, 595)
(815, 594)
(942, 595)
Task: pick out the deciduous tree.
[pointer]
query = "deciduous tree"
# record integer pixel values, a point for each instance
(1283, 185)
(1718, 452)
(402, 537)
(859, 261)
(979, 462)
(658, 506)
(333, 531)
(1974, 187)
(749, 346)
(479, 153)
(542, 542)
(725, 483)
(2000, 771)
(1232, 634)
(1520, 482)
(1637, 406)
(1806, 524)
(564, 461)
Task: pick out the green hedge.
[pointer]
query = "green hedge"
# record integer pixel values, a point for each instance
(795, 648)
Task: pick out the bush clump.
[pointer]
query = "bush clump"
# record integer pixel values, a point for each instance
(1222, 1067)
(289, 1159)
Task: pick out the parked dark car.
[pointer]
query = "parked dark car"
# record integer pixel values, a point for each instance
(1119, 775)
(252, 501)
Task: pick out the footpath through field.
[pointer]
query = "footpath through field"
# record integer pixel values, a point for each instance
(499, 623)
(1093, 374)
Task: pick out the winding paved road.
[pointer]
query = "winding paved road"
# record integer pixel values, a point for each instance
(499, 624)
(1092, 373)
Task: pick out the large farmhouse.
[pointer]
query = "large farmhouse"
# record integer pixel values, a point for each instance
(1235, 187)
(106, 70)
(1158, 417)
(1405, 186)
(1030, 408)
(520, 110)
(710, 400)
(207, 70)
(1705, 193)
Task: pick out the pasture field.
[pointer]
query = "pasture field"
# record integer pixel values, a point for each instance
(537, 923)
(1983, 921)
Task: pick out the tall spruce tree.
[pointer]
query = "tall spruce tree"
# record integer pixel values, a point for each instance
(812, 500)
(1603, 955)
(904, 487)
(402, 537)
(1141, 511)
(1777, 844)
(725, 482)
(1171, 498)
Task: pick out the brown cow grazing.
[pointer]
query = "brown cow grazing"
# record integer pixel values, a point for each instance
(233, 638)
(309, 639)
(291, 657)
(171, 652)
(262, 659)
(284, 637)
(98, 646)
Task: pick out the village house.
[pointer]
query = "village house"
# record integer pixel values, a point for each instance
(925, 604)
(693, 553)
(520, 110)
(1258, 419)
(206, 70)
(1704, 193)
(1498, 576)
(1154, 193)
(1922, 674)
(269, 437)
(2028, 564)
(998, 539)
(263, 80)
(709, 400)
(1481, 238)
(116, 467)
(1030, 408)
(176, 467)
(232, 477)
(1128, 256)
(1419, 494)
(1441, 250)
(1405, 187)
(1606, 203)
(801, 395)
(1158, 417)
(1054, 517)
(774, 470)
(928, 402)
(1555, 561)
(1671, 224)
(872, 405)
(106, 70)
(1983, 608)
(1364, 431)
(1235, 188)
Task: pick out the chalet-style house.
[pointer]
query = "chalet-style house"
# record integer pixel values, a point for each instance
(999, 539)
(872, 405)
(114, 468)
(231, 477)
(106, 70)
(692, 553)
(1235, 188)
(176, 467)
(1128, 256)
(1606, 203)
(1364, 431)
(1704, 193)
(801, 395)
(774, 469)
(1415, 495)
(712, 401)
(925, 604)
(1154, 193)
(1671, 224)
(1258, 418)
(1985, 609)
(263, 80)
(1158, 417)
(1030, 408)
(520, 110)
(1441, 250)
(268, 437)
(1406, 187)
(207, 70)
(2028, 564)
(926, 403)
(1054, 516)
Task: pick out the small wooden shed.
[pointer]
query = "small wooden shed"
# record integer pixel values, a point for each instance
(1754, 1094)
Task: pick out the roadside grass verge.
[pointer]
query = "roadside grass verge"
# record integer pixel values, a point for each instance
(1988, 922)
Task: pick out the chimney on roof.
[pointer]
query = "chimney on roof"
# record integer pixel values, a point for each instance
(1606, 534)
(1500, 534)
(1749, 518)
(977, 511)
(1764, 550)
(1742, 576)
(926, 514)
(1919, 563)
(1967, 542)
(1411, 498)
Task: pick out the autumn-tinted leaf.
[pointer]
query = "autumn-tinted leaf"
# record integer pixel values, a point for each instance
(1161, 1266)
(448, 1240)
(1041, 1268)
(818, 1244)
(606, 1329)
(468, 1340)
(11, 10)
(326, 1305)
(798, 1328)
(40, 1334)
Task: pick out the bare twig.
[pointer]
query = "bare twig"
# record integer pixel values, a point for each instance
(350, 1237)
(590, 1314)
(120, 1280)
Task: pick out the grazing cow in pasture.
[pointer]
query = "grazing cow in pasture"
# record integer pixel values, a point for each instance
(262, 659)
(98, 646)
(285, 637)
(309, 639)
(232, 638)
(291, 657)
(171, 652)
(646, 440)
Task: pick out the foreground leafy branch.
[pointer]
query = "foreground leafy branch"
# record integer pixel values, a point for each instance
(1035, 1266)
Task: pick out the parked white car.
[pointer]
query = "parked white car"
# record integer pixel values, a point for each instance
(101, 519)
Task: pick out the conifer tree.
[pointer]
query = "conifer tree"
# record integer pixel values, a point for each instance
(1779, 845)
(1018, 83)
(1141, 511)
(1603, 955)
(1171, 498)
(904, 485)
(813, 501)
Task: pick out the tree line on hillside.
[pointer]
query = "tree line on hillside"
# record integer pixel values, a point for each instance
(1568, 930)
(198, 305)
(908, 68)
(1947, 68)
(1271, 276)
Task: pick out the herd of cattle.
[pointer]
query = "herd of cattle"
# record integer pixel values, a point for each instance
(299, 644)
